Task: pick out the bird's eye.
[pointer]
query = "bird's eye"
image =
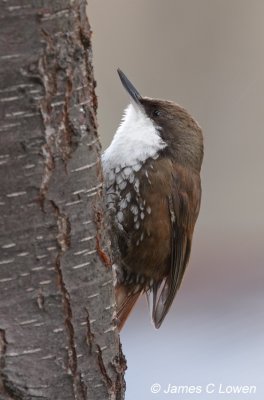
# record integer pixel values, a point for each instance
(156, 113)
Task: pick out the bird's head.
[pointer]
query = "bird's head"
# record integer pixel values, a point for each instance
(179, 135)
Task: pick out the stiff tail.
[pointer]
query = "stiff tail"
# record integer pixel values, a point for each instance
(125, 299)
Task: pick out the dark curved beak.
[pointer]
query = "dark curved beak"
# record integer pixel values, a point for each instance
(131, 90)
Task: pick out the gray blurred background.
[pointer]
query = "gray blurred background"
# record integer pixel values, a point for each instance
(207, 55)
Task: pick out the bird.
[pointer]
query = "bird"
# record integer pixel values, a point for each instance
(152, 190)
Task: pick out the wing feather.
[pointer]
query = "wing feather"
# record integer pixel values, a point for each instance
(183, 206)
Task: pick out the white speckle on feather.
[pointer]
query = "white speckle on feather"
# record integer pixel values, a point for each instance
(123, 204)
(136, 185)
(131, 178)
(141, 206)
(119, 179)
(137, 167)
(111, 177)
(136, 140)
(120, 216)
(120, 226)
(122, 185)
(134, 209)
(137, 225)
(128, 197)
(148, 209)
(127, 171)
(142, 215)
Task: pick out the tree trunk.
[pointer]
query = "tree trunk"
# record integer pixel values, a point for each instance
(58, 339)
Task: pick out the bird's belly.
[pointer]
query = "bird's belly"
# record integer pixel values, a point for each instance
(145, 241)
(138, 199)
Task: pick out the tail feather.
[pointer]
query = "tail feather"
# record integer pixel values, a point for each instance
(125, 299)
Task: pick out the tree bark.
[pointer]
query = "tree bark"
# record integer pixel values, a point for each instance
(58, 339)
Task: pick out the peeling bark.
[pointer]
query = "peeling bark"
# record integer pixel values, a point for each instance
(58, 338)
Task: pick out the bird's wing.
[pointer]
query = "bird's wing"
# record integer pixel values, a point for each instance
(183, 206)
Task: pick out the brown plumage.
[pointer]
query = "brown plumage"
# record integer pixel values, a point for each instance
(154, 229)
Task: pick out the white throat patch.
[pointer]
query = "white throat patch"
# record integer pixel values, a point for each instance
(136, 140)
